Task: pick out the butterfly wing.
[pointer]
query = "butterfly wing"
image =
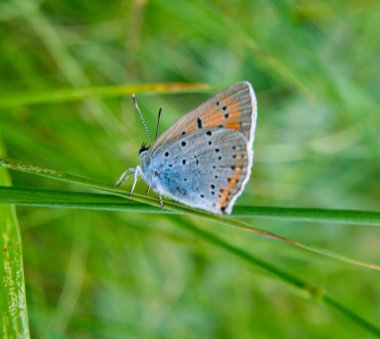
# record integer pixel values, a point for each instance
(235, 108)
(206, 169)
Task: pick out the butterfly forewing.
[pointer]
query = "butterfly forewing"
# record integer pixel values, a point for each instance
(206, 169)
(234, 108)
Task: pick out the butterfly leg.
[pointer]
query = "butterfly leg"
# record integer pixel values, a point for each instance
(124, 176)
(154, 186)
(161, 202)
(136, 172)
(147, 190)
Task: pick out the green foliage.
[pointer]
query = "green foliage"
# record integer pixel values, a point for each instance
(13, 313)
(108, 273)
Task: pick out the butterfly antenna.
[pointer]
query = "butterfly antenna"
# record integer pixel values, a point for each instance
(158, 122)
(141, 117)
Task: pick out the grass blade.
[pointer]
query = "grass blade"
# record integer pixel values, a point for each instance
(74, 94)
(107, 202)
(229, 221)
(13, 311)
(310, 214)
(312, 291)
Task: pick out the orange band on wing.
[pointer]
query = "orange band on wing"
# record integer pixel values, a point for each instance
(231, 109)
(233, 182)
(223, 196)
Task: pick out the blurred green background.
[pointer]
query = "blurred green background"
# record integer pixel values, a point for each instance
(314, 66)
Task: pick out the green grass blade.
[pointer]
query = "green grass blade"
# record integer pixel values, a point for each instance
(229, 221)
(78, 200)
(312, 291)
(279, 273)
(92, 201)
(328, 300)
(109, 202)
(74, 94)
(310, 214)
(13, 311)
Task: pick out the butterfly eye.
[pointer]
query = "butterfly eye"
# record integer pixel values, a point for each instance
(143, 148)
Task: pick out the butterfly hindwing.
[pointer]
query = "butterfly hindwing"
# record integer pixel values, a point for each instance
(206, 169)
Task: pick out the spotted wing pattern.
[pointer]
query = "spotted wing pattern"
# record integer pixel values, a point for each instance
(207, 168)
(234, 108)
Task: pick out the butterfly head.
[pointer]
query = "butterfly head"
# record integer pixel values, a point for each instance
(143, 149)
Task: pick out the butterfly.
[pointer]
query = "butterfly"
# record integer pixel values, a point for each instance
(204, 159)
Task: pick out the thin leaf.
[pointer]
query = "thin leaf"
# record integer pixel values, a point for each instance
(310, 214)
(313, 291)
(81, 93)
(229, 221)
(13, 311)
(92, 201)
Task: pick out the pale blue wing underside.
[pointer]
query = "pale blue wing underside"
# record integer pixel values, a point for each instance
(206, 169)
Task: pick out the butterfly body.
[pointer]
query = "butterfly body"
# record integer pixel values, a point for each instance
(204, 160)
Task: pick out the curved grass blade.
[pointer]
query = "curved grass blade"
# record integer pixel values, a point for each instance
(44, 198)
(314, 292)
(17, 165)
(13, 310)
(108, 202)
(74, 94)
